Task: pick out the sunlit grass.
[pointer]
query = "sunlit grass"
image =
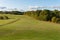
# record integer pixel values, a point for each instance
(28, 28)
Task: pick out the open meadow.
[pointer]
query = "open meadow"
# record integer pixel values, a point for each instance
(22, 27)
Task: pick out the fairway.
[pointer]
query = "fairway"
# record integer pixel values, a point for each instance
(28, 28)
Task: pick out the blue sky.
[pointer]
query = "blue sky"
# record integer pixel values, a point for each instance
(25, 4)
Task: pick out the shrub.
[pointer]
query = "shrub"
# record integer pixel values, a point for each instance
(58, 20)
(54, 19)
(43, 17)
(6, 17)
(3, 17)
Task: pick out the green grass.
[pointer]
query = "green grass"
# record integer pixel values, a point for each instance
(28, 28)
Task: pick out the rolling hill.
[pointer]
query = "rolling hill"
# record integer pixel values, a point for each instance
(28, 28)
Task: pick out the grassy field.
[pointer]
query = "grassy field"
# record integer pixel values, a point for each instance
(28, 28)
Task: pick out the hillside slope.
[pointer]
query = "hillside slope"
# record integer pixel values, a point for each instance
(27, 28)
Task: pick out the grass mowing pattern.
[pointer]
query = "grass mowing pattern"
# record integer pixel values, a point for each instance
(13, 21)
(28, 28)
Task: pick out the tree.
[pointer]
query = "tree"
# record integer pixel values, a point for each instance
(44, 15)
(56, 13)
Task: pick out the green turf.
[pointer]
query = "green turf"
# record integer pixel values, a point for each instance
(28, 28)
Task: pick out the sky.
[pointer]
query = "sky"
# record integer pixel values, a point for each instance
(28, 4)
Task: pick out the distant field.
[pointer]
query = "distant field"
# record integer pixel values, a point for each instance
(28, 28)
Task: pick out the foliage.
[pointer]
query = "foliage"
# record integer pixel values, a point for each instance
(12, 12)
(4, 17)
(44, 15)
(54, 19)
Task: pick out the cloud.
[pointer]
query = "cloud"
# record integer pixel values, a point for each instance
(30, 8)
(33, 7)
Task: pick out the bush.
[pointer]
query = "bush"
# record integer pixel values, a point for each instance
(3, 17)
(54, 19)
(43, 17)
(58, 20)
(6, 17)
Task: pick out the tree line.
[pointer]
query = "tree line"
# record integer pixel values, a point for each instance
(12, 12)
(3, 17)
(42, 15)
(45, 15)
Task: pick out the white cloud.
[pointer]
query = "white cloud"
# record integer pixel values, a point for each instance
(30, 8)
(33, 6)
